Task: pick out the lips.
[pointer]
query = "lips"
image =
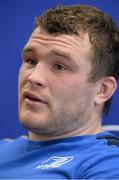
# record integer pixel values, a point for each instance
(33, 97)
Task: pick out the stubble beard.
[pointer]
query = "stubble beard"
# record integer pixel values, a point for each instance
(61, 121)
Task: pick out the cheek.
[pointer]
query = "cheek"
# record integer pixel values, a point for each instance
(20, 81)
(23, 74)
(74, 93)
(66, 91)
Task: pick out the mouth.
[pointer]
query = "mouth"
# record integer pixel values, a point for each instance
(33, 98)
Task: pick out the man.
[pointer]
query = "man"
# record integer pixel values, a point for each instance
(68, 76)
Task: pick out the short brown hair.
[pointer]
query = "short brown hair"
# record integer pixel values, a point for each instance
(102, 30)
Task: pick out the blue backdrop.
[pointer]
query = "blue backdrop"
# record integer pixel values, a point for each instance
(16, 19)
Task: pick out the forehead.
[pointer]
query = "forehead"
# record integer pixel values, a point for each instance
(68, 44)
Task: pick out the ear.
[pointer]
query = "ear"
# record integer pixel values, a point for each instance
(105, 89)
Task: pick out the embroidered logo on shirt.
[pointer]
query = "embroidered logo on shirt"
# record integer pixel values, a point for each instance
(54, 162)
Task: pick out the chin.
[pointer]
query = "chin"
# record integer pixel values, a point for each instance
(32, 122)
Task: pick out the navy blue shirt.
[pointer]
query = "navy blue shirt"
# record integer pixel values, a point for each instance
(79, 157)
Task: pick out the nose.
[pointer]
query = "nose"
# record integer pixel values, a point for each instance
(37, 76)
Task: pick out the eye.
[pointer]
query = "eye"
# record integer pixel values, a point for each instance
(31, 61)
(59, 67)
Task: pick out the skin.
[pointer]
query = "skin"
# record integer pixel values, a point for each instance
(55, 71)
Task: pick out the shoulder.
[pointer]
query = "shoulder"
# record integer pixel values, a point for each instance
(109, 138)
(10, 148)
(106, 145)
(103, 159)
(11, 144)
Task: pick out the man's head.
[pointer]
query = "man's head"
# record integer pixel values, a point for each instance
(102, 31)
(69, 70)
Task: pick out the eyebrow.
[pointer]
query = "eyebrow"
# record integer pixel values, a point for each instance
(60, 53)
(53, 52)
(28, 49)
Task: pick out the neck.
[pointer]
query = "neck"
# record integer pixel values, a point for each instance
(38, 137)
